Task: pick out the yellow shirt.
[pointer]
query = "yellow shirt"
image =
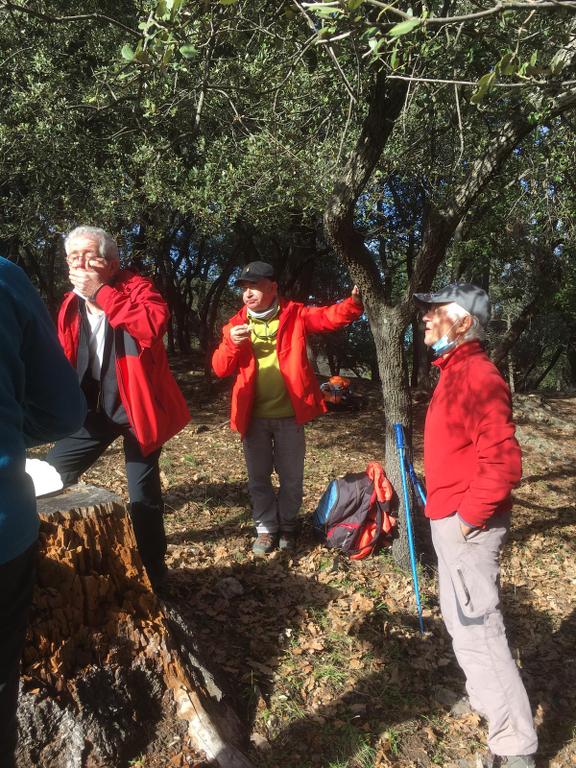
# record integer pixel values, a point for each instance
(272, 400)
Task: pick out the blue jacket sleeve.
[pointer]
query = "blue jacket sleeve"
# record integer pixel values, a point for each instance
(54, 405)
(52, 402)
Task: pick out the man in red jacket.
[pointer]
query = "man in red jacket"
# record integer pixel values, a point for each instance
(472, 461)
(111, 327)
(275, 393)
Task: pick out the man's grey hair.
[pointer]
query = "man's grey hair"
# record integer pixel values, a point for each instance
(476, 332)
(107, 246)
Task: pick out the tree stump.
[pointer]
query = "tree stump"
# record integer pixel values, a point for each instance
(108, 666)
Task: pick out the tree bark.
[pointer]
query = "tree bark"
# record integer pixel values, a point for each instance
(420, 359)
(388, 338)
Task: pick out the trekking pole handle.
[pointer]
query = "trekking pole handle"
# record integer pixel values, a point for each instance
(399, 430)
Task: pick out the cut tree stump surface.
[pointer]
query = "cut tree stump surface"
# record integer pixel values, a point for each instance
(76, 497)
(106, 667)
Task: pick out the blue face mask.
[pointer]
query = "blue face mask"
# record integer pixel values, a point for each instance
(444, 344)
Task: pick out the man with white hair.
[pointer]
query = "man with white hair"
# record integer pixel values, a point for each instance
(111, 327)
(472, 462)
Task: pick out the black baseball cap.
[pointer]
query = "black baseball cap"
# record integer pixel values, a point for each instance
(255, 271)
(470, 297)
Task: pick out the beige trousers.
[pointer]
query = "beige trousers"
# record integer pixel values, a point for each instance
(468, 572)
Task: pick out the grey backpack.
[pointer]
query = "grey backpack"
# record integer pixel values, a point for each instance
(349, 516)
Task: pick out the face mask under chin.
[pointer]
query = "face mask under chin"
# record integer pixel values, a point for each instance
(444, 343)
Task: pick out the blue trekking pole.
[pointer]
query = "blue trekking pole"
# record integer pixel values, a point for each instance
(399, 430)
(416, 484)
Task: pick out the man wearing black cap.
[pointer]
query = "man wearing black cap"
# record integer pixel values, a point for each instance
(275, 393)
(472, 461)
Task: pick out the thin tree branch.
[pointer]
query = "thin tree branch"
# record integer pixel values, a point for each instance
(10, 6)
(460, 126)
(494, 11)
(441, 81)
(331, 53)
(344, 132)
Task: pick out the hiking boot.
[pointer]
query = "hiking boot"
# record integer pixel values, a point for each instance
(264, 544)
(488, 760)
(287, 541)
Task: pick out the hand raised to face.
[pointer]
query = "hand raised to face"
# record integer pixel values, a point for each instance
(88, 269)
(239, 334)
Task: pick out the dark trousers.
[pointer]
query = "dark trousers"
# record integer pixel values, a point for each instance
(75, 454)
(16, 586)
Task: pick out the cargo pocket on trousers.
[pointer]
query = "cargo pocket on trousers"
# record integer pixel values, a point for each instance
(472, 589)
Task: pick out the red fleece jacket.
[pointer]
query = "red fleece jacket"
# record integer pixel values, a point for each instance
(471, 457)
(296, 322)
(138, 315)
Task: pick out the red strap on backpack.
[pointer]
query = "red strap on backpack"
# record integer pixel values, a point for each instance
(383, 493)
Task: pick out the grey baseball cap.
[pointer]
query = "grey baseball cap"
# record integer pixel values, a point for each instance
(470, 297)
(255, 271)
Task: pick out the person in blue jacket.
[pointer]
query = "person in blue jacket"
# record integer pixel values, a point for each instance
(40, 401)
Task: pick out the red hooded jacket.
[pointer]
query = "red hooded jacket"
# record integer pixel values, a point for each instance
(155, 407)
(471, 457)
(295, 323)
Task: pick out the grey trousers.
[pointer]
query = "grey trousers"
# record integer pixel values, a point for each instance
(468, 571)
(275, 444)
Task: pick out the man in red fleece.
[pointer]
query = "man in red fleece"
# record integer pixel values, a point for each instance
(472, 461)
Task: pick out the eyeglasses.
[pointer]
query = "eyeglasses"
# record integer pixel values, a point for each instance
(89, 259)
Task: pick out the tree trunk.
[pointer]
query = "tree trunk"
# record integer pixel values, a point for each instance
(571, 357)
(387, 323)
(555, 357)
(420, 359)
(388, 333)
(107, 667)
(510, 361)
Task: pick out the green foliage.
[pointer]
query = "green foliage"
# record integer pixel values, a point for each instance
(404, 27)
(225, 124)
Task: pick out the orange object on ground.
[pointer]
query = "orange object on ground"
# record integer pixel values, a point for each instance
(335, 389)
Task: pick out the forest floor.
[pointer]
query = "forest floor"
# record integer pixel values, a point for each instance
(322, 654)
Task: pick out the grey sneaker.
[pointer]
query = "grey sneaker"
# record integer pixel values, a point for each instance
(461, 707)
(287, 541)
(488, 760)
(264, 544)
(518, 761)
